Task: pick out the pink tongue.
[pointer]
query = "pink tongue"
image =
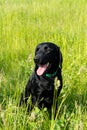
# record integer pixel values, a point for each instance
(41, 69)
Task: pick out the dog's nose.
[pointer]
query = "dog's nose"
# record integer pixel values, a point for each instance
(36, 60)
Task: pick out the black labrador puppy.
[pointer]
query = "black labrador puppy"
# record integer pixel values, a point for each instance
(48, 65)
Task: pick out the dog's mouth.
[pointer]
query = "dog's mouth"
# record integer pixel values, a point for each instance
(42, 68)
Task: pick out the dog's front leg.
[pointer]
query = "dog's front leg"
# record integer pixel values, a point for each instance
(25, 95)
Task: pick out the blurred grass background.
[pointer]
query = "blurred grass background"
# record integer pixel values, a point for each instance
(24, 24)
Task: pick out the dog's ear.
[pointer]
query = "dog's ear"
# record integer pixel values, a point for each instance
(60, 57)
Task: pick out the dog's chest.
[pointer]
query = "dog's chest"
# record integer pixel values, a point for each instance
(44, 86)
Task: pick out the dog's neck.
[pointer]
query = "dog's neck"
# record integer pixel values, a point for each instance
(54, 74)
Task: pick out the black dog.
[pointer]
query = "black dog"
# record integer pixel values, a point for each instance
(48, 65)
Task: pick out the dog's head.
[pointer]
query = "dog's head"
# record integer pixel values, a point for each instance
(48, 58)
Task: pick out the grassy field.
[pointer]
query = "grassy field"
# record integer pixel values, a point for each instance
(24, 24)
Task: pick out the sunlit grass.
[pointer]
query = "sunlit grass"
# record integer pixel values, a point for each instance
(24, 24)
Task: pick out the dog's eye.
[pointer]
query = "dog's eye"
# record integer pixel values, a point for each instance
(46, 47)
(37, 49)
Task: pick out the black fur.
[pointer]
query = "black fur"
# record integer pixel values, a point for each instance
(41, 87)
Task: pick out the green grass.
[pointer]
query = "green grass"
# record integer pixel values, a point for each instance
(24, 24)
